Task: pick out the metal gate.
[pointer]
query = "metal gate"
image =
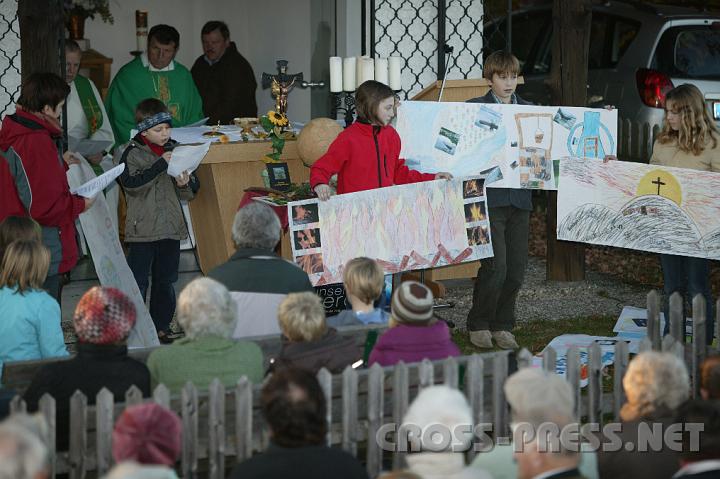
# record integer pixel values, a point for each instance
(9, 56)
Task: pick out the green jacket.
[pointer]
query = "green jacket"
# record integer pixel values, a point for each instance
(203, 359)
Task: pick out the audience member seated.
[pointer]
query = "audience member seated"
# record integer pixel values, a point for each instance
(414, 334)
(208, 315)
(103, 319)
(30, 326)
(441, 406)
(307, 341)
(533, 392)
(364, 282)
(655, 384)
(22, 453)
(704, 461)
(293, 405)
(539, 399)
(258, 278)
(147, 434)
(710, 377)
(15, 228)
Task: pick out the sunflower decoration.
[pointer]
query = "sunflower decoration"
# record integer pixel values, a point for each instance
(273, 124)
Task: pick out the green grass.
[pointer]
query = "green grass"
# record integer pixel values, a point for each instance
(535, 335)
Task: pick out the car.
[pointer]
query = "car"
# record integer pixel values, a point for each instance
(638, 51)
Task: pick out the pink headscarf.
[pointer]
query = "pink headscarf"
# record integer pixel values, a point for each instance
(147, 434)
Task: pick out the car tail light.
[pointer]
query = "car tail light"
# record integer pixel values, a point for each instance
(652, 86)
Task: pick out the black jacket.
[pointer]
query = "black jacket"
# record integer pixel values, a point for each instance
(308, 462)
(332, 352)
(93, 368)
(227, 87)
(497, 197)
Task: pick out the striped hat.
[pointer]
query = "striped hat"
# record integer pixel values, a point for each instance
(104, 316)
(412, 303)
(156, 119)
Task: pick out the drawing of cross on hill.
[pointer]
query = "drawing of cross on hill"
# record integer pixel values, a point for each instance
(659, 183)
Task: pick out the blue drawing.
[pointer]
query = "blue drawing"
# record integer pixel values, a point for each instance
(488, 119)
(588, 143)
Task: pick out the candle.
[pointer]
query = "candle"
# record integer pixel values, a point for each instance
(141, 29)
(348, 74)
(381, 70)
(358, 71)
(336, 67)
(394, 64)
(368, 70)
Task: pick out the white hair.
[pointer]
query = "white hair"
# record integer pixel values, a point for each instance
(654, 380)
(256, 226)
(443, 406)
(133, 470)
(538, 396)
(22, 454)
(205, 308)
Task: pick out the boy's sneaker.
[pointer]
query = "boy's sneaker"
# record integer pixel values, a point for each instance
(481, 339)
(505, 340)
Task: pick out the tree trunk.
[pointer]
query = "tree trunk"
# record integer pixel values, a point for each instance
(41, 36)
(568, 84)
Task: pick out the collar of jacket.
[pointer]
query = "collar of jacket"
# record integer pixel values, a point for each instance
(368, 128)
(34, 122)
(101, 351)
(244, 253)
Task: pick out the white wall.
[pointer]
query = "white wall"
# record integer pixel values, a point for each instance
(263, 31)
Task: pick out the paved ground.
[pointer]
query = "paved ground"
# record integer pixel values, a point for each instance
(599, 294)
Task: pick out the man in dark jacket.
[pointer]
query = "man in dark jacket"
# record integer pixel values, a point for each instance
(294, 408)
(492, 316)
(257, 278)
(103, 320)
(224, 77)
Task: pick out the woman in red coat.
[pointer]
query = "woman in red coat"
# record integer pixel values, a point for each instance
(32, 177)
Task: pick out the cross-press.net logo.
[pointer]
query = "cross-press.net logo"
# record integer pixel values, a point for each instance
(547, 437)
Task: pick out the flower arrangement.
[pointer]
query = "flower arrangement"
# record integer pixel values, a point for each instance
(273, 124)
(88, 9)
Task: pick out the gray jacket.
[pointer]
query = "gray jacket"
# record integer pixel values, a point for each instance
(153, 199)
(497, 197)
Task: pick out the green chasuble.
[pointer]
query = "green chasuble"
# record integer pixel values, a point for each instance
(135, 82)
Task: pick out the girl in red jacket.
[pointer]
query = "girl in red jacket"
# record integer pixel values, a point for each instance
(366, 155)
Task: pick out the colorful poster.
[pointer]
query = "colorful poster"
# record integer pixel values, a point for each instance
(108, 257)
(404, 227)
(525, 142)
(642, 207)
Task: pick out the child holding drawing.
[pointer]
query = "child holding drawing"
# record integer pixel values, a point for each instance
(155, 224)
(492, 315)
(366, 155)
(688, 139)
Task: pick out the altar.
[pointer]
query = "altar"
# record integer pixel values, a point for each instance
(224, 174)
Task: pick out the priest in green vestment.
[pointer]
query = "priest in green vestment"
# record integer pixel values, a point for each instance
(154, 74)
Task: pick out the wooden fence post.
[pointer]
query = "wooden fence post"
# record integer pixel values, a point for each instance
(450, 372)
(549, 359)
(375, 416)
(500, 372)
(48, 409)
(189, 415)
(699, 348)
(133, 396)
(400, 401)
(78, 435)
(595, 384)
(573, 377)
(677, 316)
(350, 409)
(243, 420)
(622, 358)
(325, 379)
(104, 406)
(216, 430)
(653, 319)
(161, 396)
(524, 358)
(17, 405)
(426, 373)
(474, 388)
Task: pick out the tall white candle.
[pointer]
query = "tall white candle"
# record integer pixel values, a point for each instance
(336, 67)
(395, 64)
(381, 70)
(368, 70)
(349, 74)
(358, 70)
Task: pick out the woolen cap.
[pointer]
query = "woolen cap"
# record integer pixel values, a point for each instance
(412, 303)
(148, 434)
(104, 316)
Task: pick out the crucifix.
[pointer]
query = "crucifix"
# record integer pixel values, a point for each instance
(281, 84)
(659, 183)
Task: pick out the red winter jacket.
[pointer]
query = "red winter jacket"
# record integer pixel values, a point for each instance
(365, 157)
(38, 184)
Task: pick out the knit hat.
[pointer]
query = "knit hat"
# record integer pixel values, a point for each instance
(104, 316)
(156, 119)
(148, 434)
(412, 303)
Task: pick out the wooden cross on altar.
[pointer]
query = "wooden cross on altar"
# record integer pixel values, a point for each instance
(659, 183)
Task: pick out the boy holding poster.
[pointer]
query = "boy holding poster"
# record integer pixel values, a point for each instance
(492, 315)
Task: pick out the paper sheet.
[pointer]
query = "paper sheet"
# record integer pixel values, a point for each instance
(187, 158)
(97, 184)
(87, 147)
(199, 122)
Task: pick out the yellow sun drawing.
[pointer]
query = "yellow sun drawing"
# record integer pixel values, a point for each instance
(661, 183)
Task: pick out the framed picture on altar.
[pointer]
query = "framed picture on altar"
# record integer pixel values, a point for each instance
(279, 176)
